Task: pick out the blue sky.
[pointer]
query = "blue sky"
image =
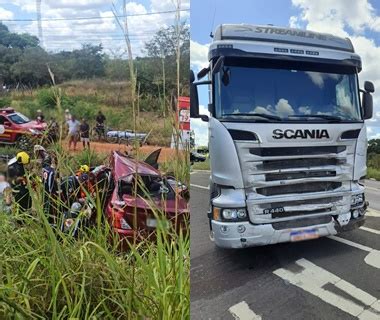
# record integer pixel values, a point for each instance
(70, 34)
(357, 19)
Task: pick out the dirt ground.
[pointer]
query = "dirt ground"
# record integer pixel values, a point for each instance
(102, 147)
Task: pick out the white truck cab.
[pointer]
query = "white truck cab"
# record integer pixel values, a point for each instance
(287, 138)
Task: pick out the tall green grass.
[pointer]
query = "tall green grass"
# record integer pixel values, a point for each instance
(47, 274)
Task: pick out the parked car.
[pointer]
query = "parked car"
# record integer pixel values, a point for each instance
(16, 128)
(197, 157)
(126, 136)
(142, 196)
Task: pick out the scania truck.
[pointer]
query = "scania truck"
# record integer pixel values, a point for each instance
(287, 137)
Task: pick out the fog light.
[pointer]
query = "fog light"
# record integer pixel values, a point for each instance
(224, 229)
(361, 211)
(355, 214)
(241, 228)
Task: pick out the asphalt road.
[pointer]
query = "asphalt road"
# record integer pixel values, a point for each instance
(327, 278)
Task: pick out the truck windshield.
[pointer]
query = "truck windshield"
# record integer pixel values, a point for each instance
(286, 91)
(18, 118)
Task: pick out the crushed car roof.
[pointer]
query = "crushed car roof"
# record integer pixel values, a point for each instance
(123, 165)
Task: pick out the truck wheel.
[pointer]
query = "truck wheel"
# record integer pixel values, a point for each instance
(23, 143)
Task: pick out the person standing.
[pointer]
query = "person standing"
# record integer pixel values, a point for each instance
(19, 182)
(40, 117)
(50, 188)
(53, 131)
(100, 119)
(74, 126)
(67, 115)
(85, 134)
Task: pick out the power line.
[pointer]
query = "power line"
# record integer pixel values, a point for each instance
(93, 18)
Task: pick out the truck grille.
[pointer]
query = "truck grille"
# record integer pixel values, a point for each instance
(297, 163)
(296, 182)
(296, 203)
(299, 188)
(296, 151)
(299, 175)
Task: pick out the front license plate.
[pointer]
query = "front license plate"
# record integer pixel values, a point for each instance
(150, 222)
(304, 235)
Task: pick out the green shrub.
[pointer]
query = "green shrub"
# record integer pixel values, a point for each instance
(82, 109)
(373, 173)
(5, 101)
(46, 98)
(91, 158)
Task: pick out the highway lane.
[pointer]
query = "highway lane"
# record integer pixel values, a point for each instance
(319, 279)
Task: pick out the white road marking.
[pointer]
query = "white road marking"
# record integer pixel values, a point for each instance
(370, 230)
(198, 186)
(372, 188)
(312, 278)
(372, 213)
(242, 311)
(373, 256)
(351, 243)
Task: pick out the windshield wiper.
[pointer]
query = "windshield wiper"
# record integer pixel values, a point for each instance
(322, 116)
(262, 115)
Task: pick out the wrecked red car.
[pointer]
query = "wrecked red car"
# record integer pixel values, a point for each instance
(142, 197)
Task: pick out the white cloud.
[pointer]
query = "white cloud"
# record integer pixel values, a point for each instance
(347, 18)
(5, 14)
(200, 128)
(198, 55)
(333, 16)
(71, 34)
(294, 22)
(283, 108)
(304, 110)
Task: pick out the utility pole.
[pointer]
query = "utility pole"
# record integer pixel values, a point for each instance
(39, 22)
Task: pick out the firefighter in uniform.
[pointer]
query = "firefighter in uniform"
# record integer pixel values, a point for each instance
(19, 182)
(50, 197)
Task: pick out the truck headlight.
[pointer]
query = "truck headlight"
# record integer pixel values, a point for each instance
(234, 214)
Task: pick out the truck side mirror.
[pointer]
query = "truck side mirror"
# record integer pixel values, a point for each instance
(194, 100)
(367, 105)
(7, 123)
(203, 73)
(367, 102)
(369, 87)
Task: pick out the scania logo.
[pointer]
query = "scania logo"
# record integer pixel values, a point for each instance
(300, 134)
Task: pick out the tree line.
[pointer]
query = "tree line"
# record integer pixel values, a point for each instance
(24, 62)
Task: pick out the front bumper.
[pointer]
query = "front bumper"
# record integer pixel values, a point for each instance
(265, 234)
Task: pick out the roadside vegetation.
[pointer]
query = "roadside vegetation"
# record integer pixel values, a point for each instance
(373, 159)
(47, 274)
(201, 165)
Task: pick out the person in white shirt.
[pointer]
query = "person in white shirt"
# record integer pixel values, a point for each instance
(74, 126)
(67, 115)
